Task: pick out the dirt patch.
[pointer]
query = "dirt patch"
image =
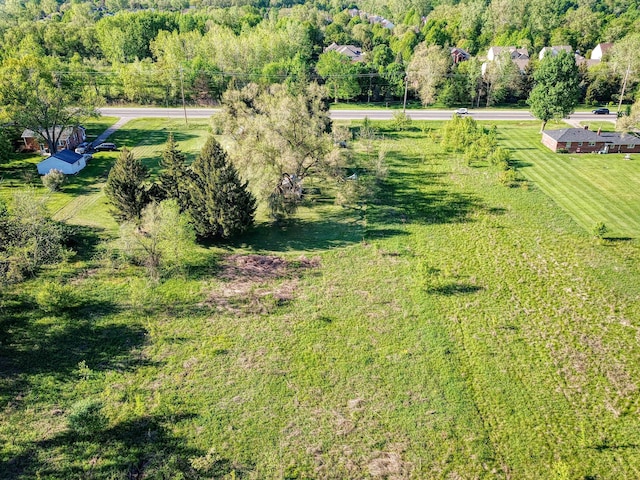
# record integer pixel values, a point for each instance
(389, 465)
(258, 283)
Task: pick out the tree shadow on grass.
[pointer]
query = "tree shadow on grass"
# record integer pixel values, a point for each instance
(84, 240)
(140, 448)
(455, 288)
(307, 235)
(33, 343)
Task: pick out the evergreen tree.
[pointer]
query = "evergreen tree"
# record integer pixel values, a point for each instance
(174, 176)
(220, 204)
(556, 90)
(126, 187)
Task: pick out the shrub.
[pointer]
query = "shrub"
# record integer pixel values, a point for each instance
(54, 297)
(508, 178)
(600, 230)
(499, 157)
(53, 180)
(86, 417)
(401, 121)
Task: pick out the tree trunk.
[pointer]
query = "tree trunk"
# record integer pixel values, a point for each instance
(544, 124)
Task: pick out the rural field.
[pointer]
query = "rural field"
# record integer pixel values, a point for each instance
(444, 326)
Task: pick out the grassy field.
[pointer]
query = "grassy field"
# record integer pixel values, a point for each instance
(591, 188)
(448, 328)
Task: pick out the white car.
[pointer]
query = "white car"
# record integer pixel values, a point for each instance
(462, 111)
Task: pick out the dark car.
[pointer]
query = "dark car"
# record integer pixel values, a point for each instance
(600, 111)
(106, 146)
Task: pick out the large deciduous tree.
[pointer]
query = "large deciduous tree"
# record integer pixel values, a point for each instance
(127, 187)
(36, 93)
(427, 70)
(280, 137)
(340, 75)
(556, 90)
(220, 204)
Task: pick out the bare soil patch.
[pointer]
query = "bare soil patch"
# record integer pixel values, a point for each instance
(258, 283)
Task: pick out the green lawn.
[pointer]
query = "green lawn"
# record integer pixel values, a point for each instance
(591, 188)
(449, 327)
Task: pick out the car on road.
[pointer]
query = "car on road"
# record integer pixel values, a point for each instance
(106, 146)
(462, 111)
(600, 111)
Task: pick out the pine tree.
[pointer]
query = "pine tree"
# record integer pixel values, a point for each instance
(174, 177)
(126, 187)
(220, 204)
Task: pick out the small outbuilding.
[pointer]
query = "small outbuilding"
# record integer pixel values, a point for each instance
(67, 161)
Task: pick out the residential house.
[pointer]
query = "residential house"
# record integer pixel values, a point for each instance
(354, 53)
(580, 60)
(554, 50)
(519, 56)
(583, 140)
(600, 50)
(459, 55)
(67, 161)
(68, 138)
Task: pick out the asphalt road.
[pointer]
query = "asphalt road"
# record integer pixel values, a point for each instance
(479, 114)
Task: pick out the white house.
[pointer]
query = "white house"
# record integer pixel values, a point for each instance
(598, 52)
(67, 161)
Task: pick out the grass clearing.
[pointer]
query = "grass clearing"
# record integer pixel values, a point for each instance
(591, 188)
(448, 328)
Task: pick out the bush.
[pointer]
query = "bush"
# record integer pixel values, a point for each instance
(500, 157)
(54, 297)
(53, 180)
(600, 230)
(508, 178)
(86, 417)
(401, 121)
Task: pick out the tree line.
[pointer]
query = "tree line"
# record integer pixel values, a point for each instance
(121, 52)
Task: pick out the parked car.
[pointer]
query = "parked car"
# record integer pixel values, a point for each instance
(84, 147)
(462, 111)
(106, 146)
(600, 111)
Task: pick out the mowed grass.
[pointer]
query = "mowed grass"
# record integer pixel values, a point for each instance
(82, 200)
(449, 327)
(591, 188)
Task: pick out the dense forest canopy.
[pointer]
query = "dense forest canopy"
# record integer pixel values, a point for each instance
(145, 51)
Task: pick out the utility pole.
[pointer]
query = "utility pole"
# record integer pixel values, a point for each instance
(186, 122)
(624, 86)
(406, 86)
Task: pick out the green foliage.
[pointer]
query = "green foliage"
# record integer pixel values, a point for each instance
(279, 137)
(54, 297)
(401, 121)
(161, 242)
(127, 187)
(35, 95)
(600, 230)
(500, 157)
(556, 90)
(86, 417)
(29, 238)
(508, 177)
(339, 73)
(53, 180)
(173, 179)
(220, 204)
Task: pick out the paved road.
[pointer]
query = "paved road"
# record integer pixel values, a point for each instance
(126, 114)
(479, 114)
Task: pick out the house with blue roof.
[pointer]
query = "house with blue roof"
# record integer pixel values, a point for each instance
(67, 161)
